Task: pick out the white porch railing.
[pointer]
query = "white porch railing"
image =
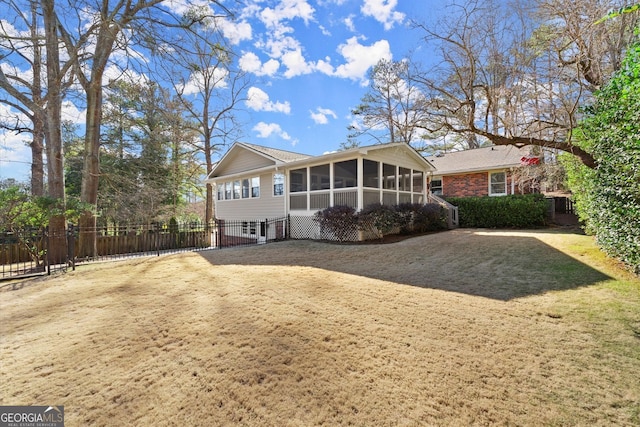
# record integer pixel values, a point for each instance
(452, 211)
(345, 198)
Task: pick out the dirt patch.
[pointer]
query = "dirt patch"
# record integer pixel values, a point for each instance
(443, 329)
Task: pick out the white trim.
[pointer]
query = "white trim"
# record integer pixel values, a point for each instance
(231, 182)
(250, 172)
(273, 184)
(436, 178)
(506, 189)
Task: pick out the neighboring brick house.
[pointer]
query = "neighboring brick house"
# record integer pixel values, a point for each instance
(486, 171)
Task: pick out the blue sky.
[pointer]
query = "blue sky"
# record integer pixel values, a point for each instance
(308, 60)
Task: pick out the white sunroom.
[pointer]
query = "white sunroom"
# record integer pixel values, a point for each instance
(253, 182)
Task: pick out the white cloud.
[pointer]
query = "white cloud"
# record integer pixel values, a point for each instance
(360, 58)
(324, 66)
(270, 67)
(183, 6)
(265, 130)
(234, 31)
(250, 63)
(382, 11)
(296, 64)
(320, 115)
(287, 10)
(348, 22)
(15, 156)
(115, 73)
(258, 100)
(71, 113)
(195, 84)
(279, 44)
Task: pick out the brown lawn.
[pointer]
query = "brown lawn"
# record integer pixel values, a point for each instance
(465, 327)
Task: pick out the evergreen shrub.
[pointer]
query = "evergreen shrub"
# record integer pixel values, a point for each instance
(515, 211)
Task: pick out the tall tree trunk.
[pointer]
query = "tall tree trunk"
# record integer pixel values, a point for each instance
(37, 143)
(208, 155)
(37, 160)
(91, 169)
(208, 213)
(55, 158)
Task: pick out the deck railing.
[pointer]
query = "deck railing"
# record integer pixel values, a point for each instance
(452, 211)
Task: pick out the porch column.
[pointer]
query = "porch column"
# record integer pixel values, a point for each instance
(308, 194)
(360, 183)
(331, 182)
(380, 181)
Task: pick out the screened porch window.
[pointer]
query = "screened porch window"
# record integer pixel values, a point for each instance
(298, 180)
(418, 181)
(370, 173)
(345, 174)
(388, 177)
(320, 179)
(404, 177)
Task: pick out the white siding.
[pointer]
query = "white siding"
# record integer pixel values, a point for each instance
(240, 160)
(263, 207)
(398, 157)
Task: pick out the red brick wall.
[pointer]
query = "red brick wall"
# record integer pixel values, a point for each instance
(471, 184)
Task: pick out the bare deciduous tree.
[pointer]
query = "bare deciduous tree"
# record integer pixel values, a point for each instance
(90, 39)
(23, 94)
(203, 73)
(517, 73)
(393, 108)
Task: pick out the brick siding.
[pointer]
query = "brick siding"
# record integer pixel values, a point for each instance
(473, 184)
(469, 185)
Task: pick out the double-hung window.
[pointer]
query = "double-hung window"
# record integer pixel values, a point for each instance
(278, 184)
(255, 187)
(236, 189)
(436, 186)
(497, 183)
(245, 188)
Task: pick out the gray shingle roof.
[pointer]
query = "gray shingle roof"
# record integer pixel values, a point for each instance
(486, 158)
(279, 155)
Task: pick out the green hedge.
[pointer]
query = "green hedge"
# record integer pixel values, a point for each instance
(608, 197)
(517, 211)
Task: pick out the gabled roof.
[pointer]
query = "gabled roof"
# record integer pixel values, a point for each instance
(479, 159)
(279, 155)
(271, 156)
(335, 155)
(276, 158)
